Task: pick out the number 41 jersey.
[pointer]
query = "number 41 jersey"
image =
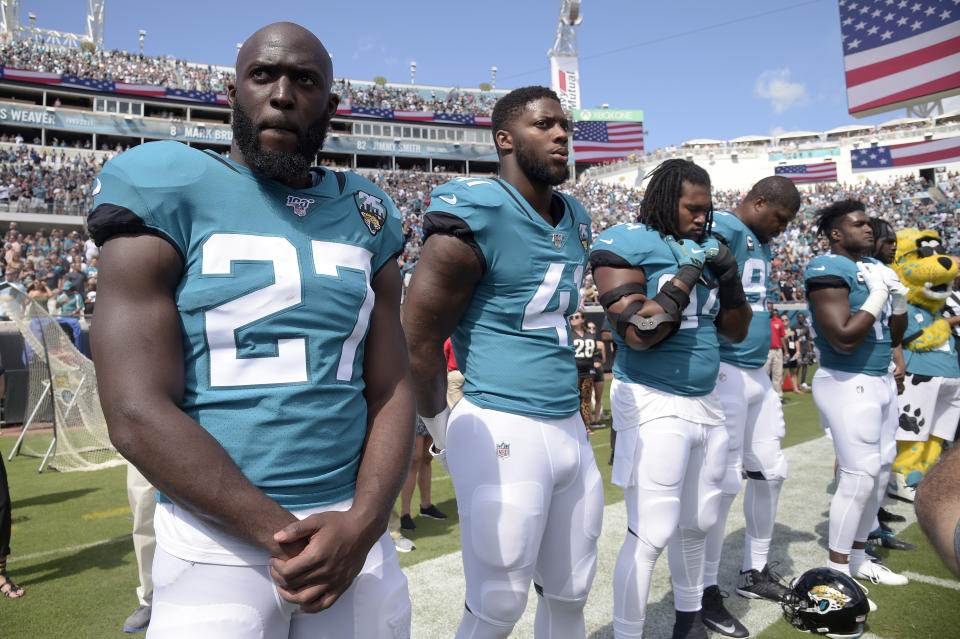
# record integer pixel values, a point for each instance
(513, 341)
(274, 303)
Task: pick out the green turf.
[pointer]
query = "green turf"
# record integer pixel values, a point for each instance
(86, 592)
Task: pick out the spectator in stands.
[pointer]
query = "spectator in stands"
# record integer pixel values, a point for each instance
(70, 301)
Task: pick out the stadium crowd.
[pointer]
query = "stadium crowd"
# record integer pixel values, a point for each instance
(132, 68)
(45, 180)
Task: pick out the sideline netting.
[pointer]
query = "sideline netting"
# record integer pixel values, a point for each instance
(62, 388)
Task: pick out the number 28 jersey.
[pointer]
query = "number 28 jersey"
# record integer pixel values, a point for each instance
(513, 341)
(874, 353)
(274, 302)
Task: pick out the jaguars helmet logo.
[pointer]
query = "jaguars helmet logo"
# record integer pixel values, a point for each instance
(584, 237)
(827, 598)
(372, 211)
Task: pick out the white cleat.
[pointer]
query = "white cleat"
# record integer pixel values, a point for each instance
(877, 574)
(899, 489)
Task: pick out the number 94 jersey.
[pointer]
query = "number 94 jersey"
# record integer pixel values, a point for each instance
(874, 353)
(513, 341)
(274, 302)
(753, 262)
(685, 363)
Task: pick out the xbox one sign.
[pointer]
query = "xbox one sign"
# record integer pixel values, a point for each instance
(607, 115)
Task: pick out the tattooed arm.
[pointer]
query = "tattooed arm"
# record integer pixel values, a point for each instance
(442, 286)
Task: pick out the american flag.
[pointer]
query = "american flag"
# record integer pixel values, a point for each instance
(809, 172)
(604, 141)
(188, 94)
(371, 112)
(86, 83)
(419, 116)
(459, 118)
(146, 90)
(897, 51)
(910, 154)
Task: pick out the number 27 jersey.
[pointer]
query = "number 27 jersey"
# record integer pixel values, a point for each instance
(274, 302)
(513, 341)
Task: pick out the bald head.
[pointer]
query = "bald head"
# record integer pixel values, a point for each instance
(282, 35)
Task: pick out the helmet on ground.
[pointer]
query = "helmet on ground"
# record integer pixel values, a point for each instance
(826, 602)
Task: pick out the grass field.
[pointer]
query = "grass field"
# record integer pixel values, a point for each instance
(72, 551)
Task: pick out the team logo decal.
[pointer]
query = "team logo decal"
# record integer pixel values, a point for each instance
(827, 598)
(299, 204)
(558, 239)
(750, 244)
(503, 450)
(372, 211)
(583, 236)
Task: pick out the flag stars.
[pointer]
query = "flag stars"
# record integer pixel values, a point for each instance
(945, 15)
(864, 9)
(916, 25)
(902, 21)
(877, 13)
(847, 22)
(886, 35)
(861, 25)
(853, 6)
(855, 44)
(901, 4)
(930, 11)
(888, 17)
(883, 161)
(873, 30)
(916, 7)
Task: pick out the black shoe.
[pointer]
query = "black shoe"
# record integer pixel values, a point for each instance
(717, 618)
(610, 463)
(884, 539)
(432, 512)
(406, 523)
(689, 625)
(873, 554)
(887, 517)
(761, 584)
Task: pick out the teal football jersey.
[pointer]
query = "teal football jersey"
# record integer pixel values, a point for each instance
(687, 362)
(939, 362)
(753, 260)
(873, 355)
(513, 341)
(274, 302)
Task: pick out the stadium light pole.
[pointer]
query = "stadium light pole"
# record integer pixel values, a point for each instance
(143, 34)
(493, 77)
(413, 70)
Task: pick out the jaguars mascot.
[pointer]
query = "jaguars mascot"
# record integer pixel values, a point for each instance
(930, 402)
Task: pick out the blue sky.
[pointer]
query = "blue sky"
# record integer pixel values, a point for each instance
(698, 68)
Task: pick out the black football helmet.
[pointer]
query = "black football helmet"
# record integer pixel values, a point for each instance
(826, 602)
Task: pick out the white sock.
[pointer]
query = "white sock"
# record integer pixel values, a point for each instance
(844, 568)
(858, 556)
(755, 553)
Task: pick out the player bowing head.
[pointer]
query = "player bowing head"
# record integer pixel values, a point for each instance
(671, 444)
(502, 265)
(884, 240)
(677, 200)
(282, 103)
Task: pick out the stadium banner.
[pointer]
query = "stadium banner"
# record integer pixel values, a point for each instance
(923, 153)
(899, 54)
(607, 115)
(565, 80)
(823, 172)
(380, 146)
(84, 122)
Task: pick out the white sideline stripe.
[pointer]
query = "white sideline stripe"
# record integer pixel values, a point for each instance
(437, 585)
(933, 581)
(67, 549)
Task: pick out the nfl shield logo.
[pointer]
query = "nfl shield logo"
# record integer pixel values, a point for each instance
(503, 450)
(750, 244)
(299, 204)
(723, 377)
(860, 390)
(372, 211)
(558, 239)
(583, 236)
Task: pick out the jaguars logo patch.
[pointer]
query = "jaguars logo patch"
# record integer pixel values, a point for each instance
(827, 598)
(584, 236)
(751, 246)
(372, 211)
(558, 239)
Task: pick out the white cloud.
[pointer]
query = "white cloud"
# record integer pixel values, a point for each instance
(777, 131)
(775, 86)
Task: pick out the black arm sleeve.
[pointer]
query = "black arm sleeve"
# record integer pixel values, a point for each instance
(435, 222)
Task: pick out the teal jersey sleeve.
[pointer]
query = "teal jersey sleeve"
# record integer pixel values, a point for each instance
(753, 261)
(513, 340)
(687, 362)
(939, 362)
(875, 352)
(275, 301)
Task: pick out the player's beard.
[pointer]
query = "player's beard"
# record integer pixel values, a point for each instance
(539, 171)
(278, 164)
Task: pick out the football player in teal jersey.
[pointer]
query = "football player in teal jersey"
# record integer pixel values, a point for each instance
(503, 261)
(669, 289)
(751, 407)
(859, 315)
(276, 425)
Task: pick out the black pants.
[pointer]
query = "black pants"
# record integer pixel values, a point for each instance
(4, 511)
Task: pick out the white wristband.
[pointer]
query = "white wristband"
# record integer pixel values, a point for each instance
(437, 427)
(898, 303)
(874, 302)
